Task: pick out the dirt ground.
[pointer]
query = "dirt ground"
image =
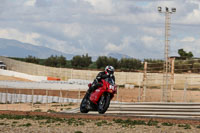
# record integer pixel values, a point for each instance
(31, 126)
(33, 122)
(38, 107)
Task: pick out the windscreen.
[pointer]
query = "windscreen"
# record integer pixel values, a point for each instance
(110, 81)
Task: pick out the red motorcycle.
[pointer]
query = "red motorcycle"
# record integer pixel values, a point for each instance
(99, 100)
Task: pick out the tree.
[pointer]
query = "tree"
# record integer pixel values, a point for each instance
(56, 61)
(130, 64)
(184, 55)
(86, 60)
(32, 59)
(113, 62)
(76, 61)
(123, 64)
(61, 61)
(51, 61)
(190, 55)
(104, 61)
(81, 61)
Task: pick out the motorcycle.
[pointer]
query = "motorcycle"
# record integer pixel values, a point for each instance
(99, 100)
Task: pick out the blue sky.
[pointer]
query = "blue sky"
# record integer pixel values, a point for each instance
(99, 27)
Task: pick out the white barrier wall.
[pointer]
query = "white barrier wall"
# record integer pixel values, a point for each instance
(43, 85)
(22, 98)
(22, 75)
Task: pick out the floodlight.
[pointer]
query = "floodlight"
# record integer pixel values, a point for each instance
(173, 9)
(160, 9)
(167, 9)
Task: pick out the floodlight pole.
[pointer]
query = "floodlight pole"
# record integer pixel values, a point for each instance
(166, 51)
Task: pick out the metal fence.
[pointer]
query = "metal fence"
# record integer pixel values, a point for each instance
(178, 85)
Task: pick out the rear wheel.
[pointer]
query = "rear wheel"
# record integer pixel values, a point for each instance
(84, 103)
(104, 103)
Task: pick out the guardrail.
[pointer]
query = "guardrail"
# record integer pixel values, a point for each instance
(152, 109)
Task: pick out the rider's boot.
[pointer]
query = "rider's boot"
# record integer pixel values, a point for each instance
(89, 106)
(91, 89)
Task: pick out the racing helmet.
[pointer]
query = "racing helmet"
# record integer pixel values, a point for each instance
(109, 70)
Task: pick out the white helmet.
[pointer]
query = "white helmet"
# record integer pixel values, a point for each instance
(109, 70)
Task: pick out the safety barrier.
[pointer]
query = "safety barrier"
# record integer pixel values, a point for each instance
(22, 75)
(44, 85)
(22, 98)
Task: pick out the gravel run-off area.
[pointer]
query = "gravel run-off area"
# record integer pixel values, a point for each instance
(39, 122)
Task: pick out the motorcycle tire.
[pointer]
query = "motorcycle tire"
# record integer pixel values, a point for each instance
(83, 105)
(104, 103)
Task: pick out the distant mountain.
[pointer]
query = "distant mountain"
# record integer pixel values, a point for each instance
(14, 48)
(118, 55)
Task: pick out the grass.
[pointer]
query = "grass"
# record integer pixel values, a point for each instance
(98, 124)
(186, 126)
(167, 124)
(131, 123)
(14, 122)
(128, 122)
(58, 124)
(3, 123)
(101, 123)
(47, 121)
(75, 122)
(64, 105)
(152, 123)
(36, 117)
(26, 125)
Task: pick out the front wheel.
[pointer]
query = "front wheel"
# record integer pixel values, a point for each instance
(104, 103)
(83, 106)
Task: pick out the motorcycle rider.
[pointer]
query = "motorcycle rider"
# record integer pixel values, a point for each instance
(108, 72)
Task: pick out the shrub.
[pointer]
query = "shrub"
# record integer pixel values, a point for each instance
(167, 124)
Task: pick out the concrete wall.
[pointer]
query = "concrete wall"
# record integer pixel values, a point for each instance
(135, 78)
(22, 75)
(66, 73)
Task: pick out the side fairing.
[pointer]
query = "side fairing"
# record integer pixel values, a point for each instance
(97, 94)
